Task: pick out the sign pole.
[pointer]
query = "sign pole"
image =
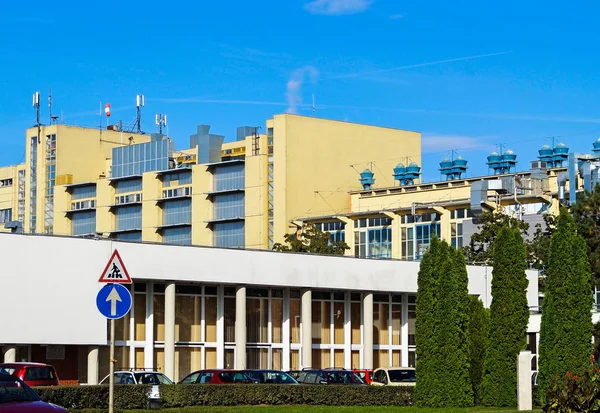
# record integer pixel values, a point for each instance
(111, 388)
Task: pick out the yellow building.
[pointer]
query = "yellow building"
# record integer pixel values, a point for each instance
(243, 193)
(12, 189)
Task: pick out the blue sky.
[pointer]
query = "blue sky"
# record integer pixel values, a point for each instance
(468, 75)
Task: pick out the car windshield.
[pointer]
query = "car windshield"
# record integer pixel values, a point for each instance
(344, 377)
(13, 390)
(152, 378)
(397, 376)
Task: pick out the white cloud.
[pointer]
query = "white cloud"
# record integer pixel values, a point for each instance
(440, 143)
(294, 86)
(337, 7)
(396, 16)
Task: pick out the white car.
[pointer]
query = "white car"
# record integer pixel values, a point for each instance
(141, 377)
(394, 376)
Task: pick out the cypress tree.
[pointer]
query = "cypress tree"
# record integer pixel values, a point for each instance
(509, 315)
(477, 338)
(442, 316)
(566, 330)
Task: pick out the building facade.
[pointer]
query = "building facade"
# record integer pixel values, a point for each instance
(203, 307)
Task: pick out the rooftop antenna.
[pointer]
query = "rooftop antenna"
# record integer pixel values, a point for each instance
(140, 102)
(314, 109)
(36, 105)
(161, 120)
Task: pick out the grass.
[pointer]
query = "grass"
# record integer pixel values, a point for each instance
(315, 409)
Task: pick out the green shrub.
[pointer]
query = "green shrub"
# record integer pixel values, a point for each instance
(575, 393)
(272, 394)
(136, 397)
(80, 397)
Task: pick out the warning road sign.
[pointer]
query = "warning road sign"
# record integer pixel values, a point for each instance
(115, 272)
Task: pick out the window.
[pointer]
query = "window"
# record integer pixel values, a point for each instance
(229, 177)
(180, 178)
(376, 240)
(83, 204)
(128, 218)
(130, 236)
(129, 185)
(5, 215)
(229, 206)
(229, 234)
(177, 192)
(81, 192)
(139, 158)
(456, 230)
(177, 212)
(83, 223)
(416, 238)
(179, 236)
(128, 199)
(6, 182)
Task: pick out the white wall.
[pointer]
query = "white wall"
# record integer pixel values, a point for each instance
(50, 283)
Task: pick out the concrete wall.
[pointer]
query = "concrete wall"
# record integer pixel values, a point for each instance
(9, 194)
(52, 298)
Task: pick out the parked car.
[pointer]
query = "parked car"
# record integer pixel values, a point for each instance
(217, 376)
(141, 377)
(270, 376)
(365, 375)
(394, 376)
(17, 396)
(329, 376)
(33, 374)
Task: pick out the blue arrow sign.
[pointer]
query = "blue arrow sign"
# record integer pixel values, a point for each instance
(113, 301)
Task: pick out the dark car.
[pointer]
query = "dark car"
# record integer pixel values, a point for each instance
(33, 374)
(327, 376)
(16, 396)
(216, 376)
(270, 376)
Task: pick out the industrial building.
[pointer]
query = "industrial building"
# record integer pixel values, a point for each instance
(205, 307)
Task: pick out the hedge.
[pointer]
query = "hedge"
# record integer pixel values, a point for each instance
(81, 397)
(136, 397)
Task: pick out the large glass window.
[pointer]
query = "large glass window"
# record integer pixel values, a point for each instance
(129, 185)
(83, 223)
(135, 236)
(187, 318)
(227, 206)
(295, 317)
(373, 238)
(80, 192)
(417, 234)
(335, 230)
(177, 211)
(229, 234)
(456, 229)
(5, 215)
(228, 177)
(177, 236)
(139, 158)
(128, 218)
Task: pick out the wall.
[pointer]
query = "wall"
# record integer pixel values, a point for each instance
(9, 194)
(323, 160)
(61, 283)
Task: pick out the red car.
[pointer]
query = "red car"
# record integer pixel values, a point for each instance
(366, 375)
(16, 396)
(33, 374)
(216, 377)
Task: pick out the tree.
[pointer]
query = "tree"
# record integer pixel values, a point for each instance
(509, 315)
(440, 330)
(539, 248)
(477, 335)
(566, 329)
(481, 246)
(586, 213)
(312, 241)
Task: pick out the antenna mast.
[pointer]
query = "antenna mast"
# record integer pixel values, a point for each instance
(161, 120)
(140, 102)
(36, 105)
(314, 109)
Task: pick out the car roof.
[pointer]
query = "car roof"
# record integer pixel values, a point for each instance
(395, 368)
(24, 364)
(139, 371)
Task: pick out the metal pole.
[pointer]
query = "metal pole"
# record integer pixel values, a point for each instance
(111, 388)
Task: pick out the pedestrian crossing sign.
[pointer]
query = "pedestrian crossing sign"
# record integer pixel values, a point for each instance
(115, 271)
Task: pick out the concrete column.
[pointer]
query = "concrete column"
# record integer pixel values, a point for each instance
(368, 331)
(404, 331)
(170, 331)
(347, 331)
(149, 345)
(286, 329)
(240, 328)
(10, 354)
(220, 327)
(524, 396)
(92, 365)
(306, 320)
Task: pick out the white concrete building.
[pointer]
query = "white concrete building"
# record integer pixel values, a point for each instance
(202, 307)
